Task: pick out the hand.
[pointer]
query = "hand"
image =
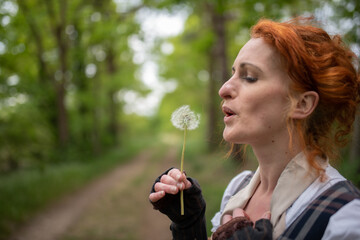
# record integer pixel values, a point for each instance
(171, 183)
(238, 212)
(239, 226)
(165, 197)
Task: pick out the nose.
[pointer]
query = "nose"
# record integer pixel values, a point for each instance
(227, 91)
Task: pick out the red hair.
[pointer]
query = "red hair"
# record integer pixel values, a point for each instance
(316, 62)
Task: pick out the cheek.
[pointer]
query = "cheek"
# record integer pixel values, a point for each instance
(267, 105)
(256, 102)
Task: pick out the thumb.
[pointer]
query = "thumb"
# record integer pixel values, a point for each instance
(266, 215)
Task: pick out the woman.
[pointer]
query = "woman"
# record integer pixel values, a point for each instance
(292, 97)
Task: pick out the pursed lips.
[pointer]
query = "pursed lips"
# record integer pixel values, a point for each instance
(228, 113)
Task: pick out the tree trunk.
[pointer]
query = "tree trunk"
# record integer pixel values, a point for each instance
(219, 26)
(97, 148)
(213, 130)
(43, 74)
(83, 139)
(46, 102)
(58, 29)
(62, 119)
(113, 128)
(218, 74)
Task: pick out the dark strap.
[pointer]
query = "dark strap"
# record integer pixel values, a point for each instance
(312, 222)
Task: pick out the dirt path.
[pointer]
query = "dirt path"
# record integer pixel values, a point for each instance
(113, 207)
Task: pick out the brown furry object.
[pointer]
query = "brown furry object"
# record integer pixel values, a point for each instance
(226, 230)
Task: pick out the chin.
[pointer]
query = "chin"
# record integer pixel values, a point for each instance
(233, 139)
(229, 139)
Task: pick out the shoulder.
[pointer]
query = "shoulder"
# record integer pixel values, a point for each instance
(337, 201)
(345, 224)
(312, 192)
(238, 182)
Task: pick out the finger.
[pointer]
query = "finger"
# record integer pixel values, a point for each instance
(176, 174)
(154, 197)
(238, 212)
(187, 184)
(180, 177)
(166, 188)
(226, 218)
(266, 215)
(168, 180)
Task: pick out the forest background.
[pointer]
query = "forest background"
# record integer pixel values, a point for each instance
(84, 83)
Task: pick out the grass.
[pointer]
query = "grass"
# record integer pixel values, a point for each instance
(24, 193)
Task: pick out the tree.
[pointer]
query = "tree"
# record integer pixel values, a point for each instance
(68, 60)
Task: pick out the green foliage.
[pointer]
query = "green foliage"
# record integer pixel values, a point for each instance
(97, 64)
(25, 137)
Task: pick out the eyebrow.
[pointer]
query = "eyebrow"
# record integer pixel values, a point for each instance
(242, 65)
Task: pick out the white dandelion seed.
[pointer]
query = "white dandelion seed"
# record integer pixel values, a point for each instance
(183, 118)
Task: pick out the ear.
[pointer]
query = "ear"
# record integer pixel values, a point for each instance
(305, 105)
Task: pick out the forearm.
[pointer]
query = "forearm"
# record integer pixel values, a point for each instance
(193, 230)
(192, 224)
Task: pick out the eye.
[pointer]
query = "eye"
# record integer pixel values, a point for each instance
(250, 79)
(248, 76)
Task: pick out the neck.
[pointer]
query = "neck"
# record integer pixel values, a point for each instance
(273, 159)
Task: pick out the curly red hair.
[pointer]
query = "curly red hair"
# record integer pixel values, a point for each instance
(316, 62)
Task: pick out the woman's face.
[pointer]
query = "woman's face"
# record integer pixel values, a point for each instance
(256, 96)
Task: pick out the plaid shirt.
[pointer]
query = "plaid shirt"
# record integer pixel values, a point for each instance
(312, 222)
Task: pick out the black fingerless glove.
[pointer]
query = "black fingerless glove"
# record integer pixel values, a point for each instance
(263, 230)
(228, 229)
(192, 224)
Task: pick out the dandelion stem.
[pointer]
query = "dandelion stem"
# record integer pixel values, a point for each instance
(184, 119)
(182, 170)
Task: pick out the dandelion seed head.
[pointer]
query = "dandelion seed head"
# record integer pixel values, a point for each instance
(184, 117)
